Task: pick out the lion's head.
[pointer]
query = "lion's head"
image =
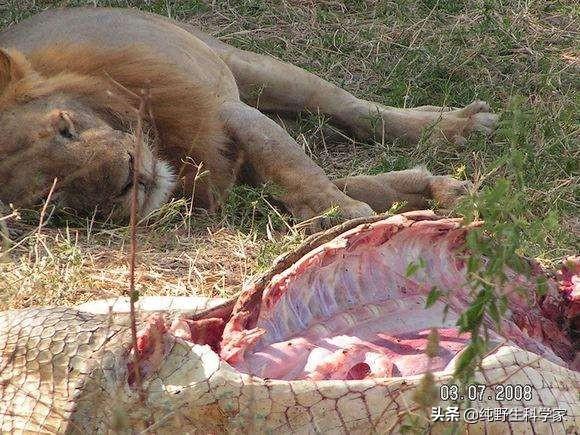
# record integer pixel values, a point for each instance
(70, 112)
(73, 129)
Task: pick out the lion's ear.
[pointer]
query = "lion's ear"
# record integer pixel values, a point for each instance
(13, 67)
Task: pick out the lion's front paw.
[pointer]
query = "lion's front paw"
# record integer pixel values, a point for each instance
(447, 190)
(316, 220)
(355, 209)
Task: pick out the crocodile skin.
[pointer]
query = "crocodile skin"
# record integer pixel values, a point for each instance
(64, 370)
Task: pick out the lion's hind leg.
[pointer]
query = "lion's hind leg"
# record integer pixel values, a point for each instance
(274, 156)
(369, 119)
(272, 85)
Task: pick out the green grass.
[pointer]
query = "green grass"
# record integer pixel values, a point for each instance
(520, 56)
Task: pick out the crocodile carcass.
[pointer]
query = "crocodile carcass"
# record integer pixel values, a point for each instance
(332, 340)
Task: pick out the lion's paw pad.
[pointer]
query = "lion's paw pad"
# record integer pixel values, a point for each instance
(484, 122)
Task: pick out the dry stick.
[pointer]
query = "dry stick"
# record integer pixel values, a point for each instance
(133, 296)
(43, 211)
(198, 174)
(41, 221)
(14, 214)
(4, 234)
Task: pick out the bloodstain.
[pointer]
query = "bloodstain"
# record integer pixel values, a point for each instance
(358, 371)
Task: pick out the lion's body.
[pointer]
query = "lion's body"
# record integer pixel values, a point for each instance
(193, 85)
(118, 28)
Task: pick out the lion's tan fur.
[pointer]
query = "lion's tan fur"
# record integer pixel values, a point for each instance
(87, 70)
(181, 114)
(196, 83)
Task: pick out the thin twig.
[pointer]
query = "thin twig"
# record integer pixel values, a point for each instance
(10, 216)
(133, 294)
(4, 233)
(44, 207)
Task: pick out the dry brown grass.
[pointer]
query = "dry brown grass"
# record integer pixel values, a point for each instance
(71, 266)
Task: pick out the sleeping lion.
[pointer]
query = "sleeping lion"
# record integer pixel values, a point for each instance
(71, 83)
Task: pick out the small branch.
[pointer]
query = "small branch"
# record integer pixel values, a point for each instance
(133, 248)
(10, 216)
(44, 207)
(4, 233)
(133, 294)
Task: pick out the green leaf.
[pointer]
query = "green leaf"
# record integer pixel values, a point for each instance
(471, 318)
(411, 270)
(469, 358)
(433, 297)
(494, 312)
(541, 285)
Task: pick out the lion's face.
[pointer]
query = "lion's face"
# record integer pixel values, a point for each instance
(59, 136)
